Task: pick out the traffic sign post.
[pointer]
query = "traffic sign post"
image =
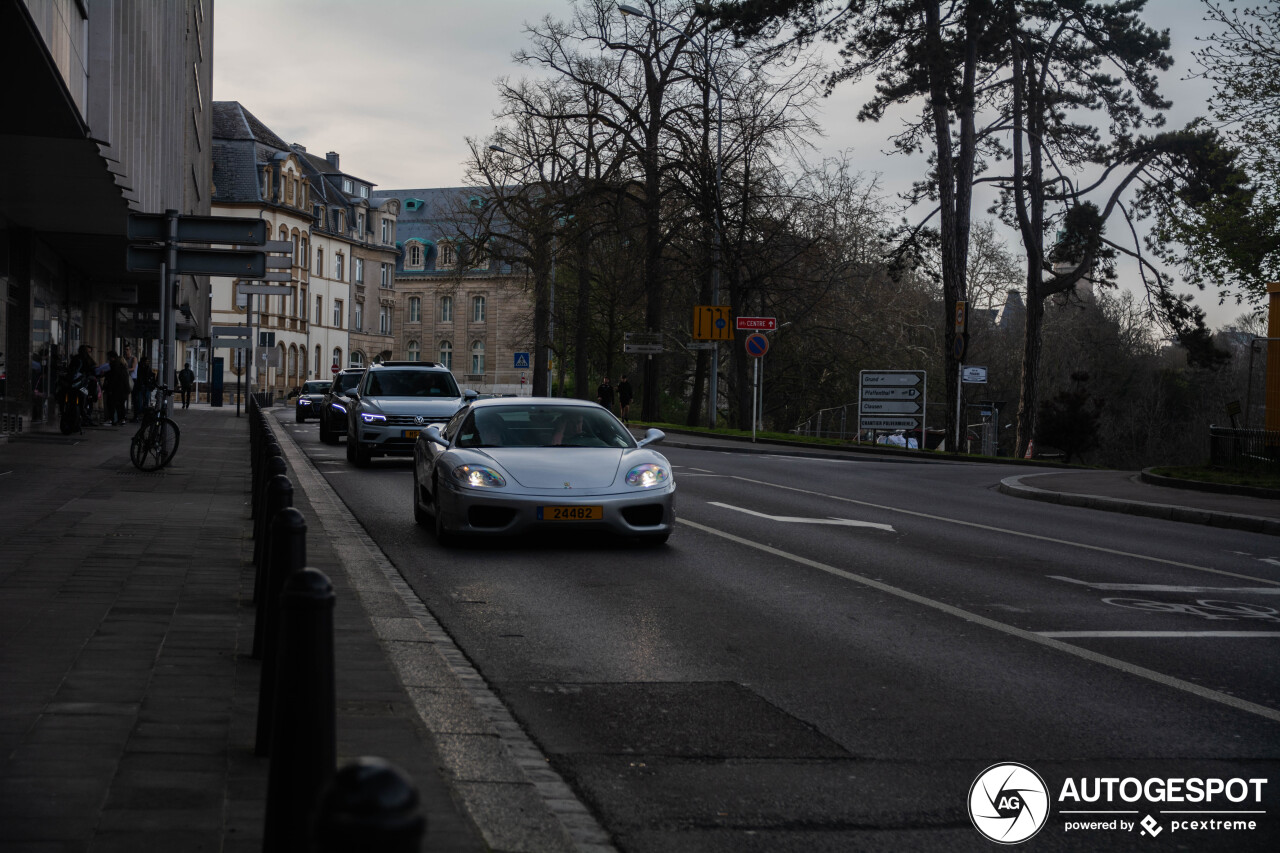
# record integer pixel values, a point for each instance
(711, 323)
(759, 324)
(893, 400)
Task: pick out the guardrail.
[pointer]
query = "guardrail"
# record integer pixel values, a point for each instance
(369, 804)
(1247, 449)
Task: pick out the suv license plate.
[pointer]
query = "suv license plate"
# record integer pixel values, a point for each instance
(409, 433)
(570, 513)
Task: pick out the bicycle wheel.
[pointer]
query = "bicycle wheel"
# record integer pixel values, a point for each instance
(145, 450)
(167, 435)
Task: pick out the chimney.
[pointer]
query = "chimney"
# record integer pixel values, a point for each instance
(301, 149)
(332, 157)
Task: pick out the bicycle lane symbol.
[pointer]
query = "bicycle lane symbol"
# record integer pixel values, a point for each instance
(1228, 611)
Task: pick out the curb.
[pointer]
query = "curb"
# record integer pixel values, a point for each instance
(1014, 487)
(1149, 476)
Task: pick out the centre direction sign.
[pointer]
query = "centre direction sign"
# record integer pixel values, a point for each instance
(757, 324)
(892, 400)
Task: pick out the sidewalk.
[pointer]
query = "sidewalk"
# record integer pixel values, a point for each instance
(129, 702)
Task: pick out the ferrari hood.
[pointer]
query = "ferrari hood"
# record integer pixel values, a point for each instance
(559, 468)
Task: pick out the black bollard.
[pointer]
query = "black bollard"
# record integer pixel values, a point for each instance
(274, 467)
(370, 805)
(303, 730)
(278, 496)
(286, 554)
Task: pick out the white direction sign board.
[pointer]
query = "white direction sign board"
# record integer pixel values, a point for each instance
(891, 400)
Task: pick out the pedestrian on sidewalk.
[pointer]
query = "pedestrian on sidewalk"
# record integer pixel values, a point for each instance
(604, 394)
(131, 365)
(186, 378)
(142, 386)
(117, 387)
(624, 397)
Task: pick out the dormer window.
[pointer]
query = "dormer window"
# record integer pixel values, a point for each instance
(448, 256)
(348, 186)
(413, 256)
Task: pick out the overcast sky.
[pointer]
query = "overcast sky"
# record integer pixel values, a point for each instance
(395, 86)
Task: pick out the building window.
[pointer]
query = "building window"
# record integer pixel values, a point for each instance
(337, 356)
(357, 317)
(319, 261)
(357, 359)
(448, 256)
(386, 275)
(388, 234)
(446, 309)
(338, 268)
(446, 354)
(360, 223)
(364, 192)
(415, 309)
(318, 361)
(477, 309)
(477, 357)
(413, 259)
(319, 314)
(415, 351)
(384, 320)
(348, 186)
(358, 272)
(337, 313)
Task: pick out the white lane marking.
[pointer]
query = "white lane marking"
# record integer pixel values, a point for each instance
(1156, 587)
(843, 522)
(1030, 636)
(1036, 536)
(1159, 635)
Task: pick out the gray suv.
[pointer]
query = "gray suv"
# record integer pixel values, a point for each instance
(396, 400)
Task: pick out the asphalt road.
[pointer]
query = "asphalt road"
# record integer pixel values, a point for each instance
(829, 653)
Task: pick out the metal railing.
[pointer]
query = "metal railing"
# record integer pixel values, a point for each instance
(1244, 448)
(836, 422)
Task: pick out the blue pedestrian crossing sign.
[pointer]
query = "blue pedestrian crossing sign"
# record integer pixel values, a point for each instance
(522, 361)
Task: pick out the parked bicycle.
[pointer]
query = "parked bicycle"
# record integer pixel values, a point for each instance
(156, 440)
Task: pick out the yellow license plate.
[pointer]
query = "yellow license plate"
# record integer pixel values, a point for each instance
(409, 433)
(570, 513)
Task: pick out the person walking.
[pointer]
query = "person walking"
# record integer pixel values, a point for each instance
(624, 397)
(117, 387)
(186, 378)
(142, 386)
(131, 365)
(604, 394)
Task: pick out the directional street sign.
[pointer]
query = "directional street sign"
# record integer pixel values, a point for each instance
(231, 230)
(711, 323)
(766, 324)
(890, 393)
(228, 262)
(891, 377)
(889, 423)
(642, 349)
(264, 289)
(642, 337)
(229, 343)
(230, 331)
(890, 407)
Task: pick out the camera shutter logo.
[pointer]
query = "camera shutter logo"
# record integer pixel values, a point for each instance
(1008, 803)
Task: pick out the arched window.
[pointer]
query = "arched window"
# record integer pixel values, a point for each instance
(415, 351)
(319, 261)
(413, 259)
(448, 256)
(318, 361)
(357, 358)
(477, 357)
(477, 309)
(293, 362)
(446, 354)
(302, 363)
(415, 309)
(337, 356)
(446, 309)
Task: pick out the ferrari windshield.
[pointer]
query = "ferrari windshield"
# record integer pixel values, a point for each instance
(542, 426)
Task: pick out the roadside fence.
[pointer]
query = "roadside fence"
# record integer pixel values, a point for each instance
(1244, 449)
(312, 807)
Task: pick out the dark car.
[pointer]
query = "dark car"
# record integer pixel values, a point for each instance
(309, 398)
(333, 407)
(394, 401)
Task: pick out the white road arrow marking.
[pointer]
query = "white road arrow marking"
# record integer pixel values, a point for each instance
(1156, 587)
(839, 522)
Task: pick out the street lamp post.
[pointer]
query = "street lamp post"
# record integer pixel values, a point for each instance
(713, 390)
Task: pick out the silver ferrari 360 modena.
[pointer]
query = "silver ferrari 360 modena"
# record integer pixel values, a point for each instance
(513, 464)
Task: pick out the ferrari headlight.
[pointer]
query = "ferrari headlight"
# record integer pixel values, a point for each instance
(478, 476)
(647, 475)
(373, 419)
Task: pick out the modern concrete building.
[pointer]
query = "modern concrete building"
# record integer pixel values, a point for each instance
(104, 112)
(468, 313)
